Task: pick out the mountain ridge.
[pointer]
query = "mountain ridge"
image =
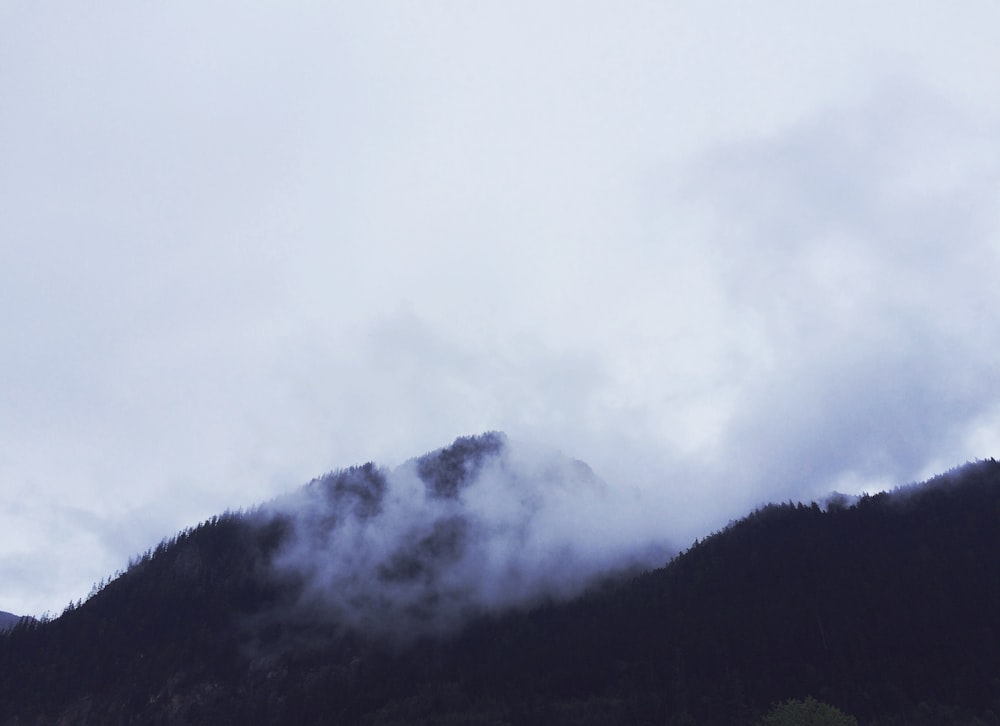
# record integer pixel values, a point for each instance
(887, 608)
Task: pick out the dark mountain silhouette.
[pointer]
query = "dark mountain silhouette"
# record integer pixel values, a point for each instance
(8, 620)
(888, 609)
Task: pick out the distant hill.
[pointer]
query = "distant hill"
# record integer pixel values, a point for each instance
(888, 609)
(8, 620)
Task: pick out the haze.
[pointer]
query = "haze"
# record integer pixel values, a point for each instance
(724, 254)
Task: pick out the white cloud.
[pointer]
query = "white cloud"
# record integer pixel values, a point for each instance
(691, 245)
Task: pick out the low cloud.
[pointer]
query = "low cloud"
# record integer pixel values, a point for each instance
(852, 254)
(481, 526)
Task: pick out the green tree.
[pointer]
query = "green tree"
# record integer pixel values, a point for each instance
(808, 712)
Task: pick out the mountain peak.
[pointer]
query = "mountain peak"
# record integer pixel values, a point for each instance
(452, 468)
(887, 609)
(482, 525)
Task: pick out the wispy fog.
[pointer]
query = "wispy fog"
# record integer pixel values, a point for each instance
(724, 253)
(481, 526)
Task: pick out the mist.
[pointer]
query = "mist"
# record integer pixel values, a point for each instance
(484, 525)
(725, 255)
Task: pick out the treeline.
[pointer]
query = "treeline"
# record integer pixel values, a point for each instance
(888, 610)
(174, 613)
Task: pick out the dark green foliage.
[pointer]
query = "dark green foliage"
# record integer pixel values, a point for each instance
(448, 470)
(888, 610)
(357, 491)
(808, 712)
(169, 620)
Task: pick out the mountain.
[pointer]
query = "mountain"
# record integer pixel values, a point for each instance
(326, 606)
(8, 620)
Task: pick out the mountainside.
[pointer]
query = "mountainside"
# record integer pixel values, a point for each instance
(888, 609)
(8, 620)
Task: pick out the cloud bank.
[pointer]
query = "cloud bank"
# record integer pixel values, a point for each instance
(723, 254)
(481, 526)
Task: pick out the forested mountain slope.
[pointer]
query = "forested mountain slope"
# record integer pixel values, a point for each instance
(7, 620)
(888, 609)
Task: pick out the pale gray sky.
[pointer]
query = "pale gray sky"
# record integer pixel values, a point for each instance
(723, 253)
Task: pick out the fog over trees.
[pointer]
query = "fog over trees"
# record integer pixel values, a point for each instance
(302, 611)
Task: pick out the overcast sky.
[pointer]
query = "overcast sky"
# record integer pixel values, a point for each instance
(724, 252)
